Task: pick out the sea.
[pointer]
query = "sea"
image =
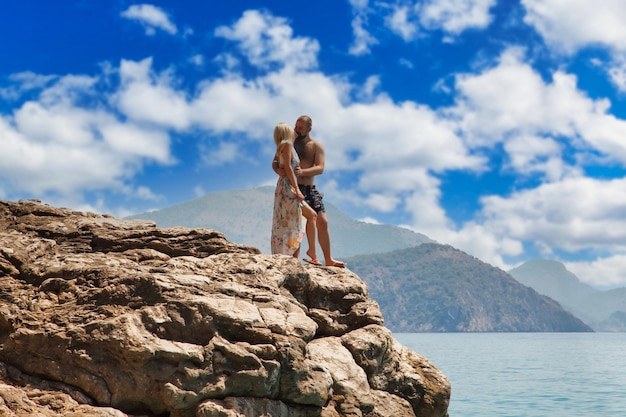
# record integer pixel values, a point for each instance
(529, 374)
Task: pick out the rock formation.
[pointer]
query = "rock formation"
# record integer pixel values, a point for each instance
(106, 317)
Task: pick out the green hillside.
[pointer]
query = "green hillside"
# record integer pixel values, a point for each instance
(436, 288)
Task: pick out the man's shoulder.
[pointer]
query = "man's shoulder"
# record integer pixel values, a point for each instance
(314, 143)
(309, 147)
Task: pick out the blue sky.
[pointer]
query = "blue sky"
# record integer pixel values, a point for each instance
(498, 127)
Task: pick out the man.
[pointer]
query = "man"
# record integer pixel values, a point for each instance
(311, 154)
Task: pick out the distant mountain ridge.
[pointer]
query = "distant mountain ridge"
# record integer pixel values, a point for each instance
(245, 216)
(437, 288)
(602, 310)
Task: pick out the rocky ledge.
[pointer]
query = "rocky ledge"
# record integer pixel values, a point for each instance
(106, 317)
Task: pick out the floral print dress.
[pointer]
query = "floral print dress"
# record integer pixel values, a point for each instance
(287, 230)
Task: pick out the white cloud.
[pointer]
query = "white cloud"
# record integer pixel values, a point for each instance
(408, 19)
(536, 155)
(268, 40)
(368, 91)
(375, 136)
(23, 82)
(455, 16)
(369, 220)
(199, 191)
(145, 193)
(223, 153)
(572, 214)
(532, 107)
(480, 241)
(617, 74)
(134, 141)
(384, 203)
(428, 215)
(56, 147)
(68, 89)
(149, 97)
(400, 22)
(227, 61)
(197, 59)
(575, 24)
(406, 63)
(151, 17)
(232, 104)
(605, 273)
(362, 38)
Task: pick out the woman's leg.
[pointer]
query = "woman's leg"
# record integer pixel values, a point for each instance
(311, 229)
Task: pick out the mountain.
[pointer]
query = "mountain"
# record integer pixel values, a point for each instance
(615, 323)
(600, 309)
(437, 288)
(245, 216)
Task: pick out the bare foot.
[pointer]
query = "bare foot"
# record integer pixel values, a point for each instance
(338, 264)
(311, 254)
(313, 261)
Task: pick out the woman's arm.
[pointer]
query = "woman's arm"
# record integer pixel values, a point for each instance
(276, 166)
(285, 155)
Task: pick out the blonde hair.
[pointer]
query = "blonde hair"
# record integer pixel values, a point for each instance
(282, 132)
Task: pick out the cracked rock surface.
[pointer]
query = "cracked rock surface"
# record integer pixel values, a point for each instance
(107, 317)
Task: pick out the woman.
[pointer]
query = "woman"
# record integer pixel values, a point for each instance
(287, 230)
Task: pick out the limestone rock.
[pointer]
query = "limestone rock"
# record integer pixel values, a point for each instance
(106, 317)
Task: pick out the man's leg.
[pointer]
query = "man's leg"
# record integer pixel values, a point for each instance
(323, 235)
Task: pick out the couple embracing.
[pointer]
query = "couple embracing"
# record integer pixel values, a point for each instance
(298, 160)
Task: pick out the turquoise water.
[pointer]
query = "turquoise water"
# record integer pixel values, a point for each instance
(529, 374)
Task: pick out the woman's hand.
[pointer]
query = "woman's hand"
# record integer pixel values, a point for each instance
(299, 195)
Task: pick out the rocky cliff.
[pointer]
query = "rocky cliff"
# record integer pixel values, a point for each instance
(106, 317)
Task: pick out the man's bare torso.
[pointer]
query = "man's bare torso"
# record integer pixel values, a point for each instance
(306, 149)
